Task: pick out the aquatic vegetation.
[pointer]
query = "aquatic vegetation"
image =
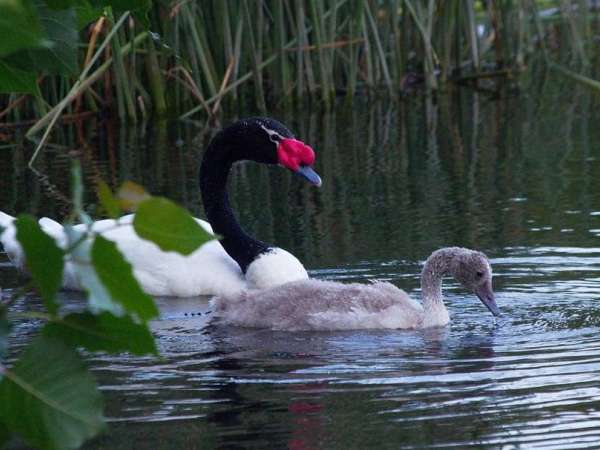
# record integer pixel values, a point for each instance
(187, 58)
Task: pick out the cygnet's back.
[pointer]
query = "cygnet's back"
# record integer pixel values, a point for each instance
(321, 305)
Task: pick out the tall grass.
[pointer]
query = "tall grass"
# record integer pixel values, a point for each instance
(288, 52)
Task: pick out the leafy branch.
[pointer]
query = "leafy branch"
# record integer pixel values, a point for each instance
(49, 398)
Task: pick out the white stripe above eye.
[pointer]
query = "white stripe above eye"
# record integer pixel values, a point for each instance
(274, 136)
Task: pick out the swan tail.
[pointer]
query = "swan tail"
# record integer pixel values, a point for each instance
(5, 220)
(12, 247)
(233, 309)
(8, 238)
(225, 303)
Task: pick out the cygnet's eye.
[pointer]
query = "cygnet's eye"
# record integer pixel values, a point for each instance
(479, 274)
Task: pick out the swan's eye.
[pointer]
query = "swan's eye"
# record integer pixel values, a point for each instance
(479, 274)
(274, 136)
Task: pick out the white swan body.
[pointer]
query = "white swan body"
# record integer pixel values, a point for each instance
(207, 271)
(326, 305)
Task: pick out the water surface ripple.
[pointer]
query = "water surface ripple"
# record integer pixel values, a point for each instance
(512, 177)
(527, 380)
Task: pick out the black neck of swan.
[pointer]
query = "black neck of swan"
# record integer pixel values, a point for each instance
(227, 147)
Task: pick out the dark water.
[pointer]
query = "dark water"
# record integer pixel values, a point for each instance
(516, 175)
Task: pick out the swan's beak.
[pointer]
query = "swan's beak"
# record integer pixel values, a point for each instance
(309, 174)
(298, 157)
(486, 295)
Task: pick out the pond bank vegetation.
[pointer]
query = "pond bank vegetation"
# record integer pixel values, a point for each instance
(186, 59)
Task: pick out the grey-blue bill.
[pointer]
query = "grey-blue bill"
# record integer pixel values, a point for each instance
(309, 174)
(486, 295)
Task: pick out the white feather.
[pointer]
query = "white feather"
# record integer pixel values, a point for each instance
(273, 266)
(207, 271)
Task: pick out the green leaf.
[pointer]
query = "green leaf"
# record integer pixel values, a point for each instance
(49, 397)
(138, 8)
(77, 193)
(116, 275)
(84, 10)
(60, 4)
(169, 226)
(104, 332)
(131, 194)
(126, 5)
(108, 201)
(76, 186)
(17, 80)
(44, 259)
(20, 26)
(99, 298)
(4, 434)
(61, 27)
(59, 55)
(64, 4)
(86, 13)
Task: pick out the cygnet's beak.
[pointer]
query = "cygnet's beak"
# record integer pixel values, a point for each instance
(486, 295)
(309, 174)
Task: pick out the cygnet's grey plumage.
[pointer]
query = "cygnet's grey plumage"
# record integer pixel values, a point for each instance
(327, 305)
(320, 305)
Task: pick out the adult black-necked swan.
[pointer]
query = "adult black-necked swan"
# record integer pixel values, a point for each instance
(326, 305)
(235, 262)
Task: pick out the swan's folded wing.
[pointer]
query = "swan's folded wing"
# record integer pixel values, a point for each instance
(206, 271)
(378, 306)
(321, 305)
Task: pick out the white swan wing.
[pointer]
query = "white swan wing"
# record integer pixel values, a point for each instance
(207, 271)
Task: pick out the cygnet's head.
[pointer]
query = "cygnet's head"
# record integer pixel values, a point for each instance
(472, 269)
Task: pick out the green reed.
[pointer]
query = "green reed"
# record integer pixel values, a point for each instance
(287, 52)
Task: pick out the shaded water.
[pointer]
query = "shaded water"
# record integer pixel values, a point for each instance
(517, 177)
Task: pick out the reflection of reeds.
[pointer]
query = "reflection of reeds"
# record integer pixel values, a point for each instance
(281, 52)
